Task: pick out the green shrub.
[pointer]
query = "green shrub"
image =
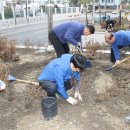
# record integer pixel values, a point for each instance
(8, 12)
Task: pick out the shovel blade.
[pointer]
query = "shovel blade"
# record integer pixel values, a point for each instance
(11, 78)
(109, 68)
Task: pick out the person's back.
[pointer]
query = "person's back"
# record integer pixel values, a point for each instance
(122, 38)
(117, 41)
(62, 63)
(75, 28)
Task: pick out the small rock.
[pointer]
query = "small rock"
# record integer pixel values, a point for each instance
(84, 114)
(104, 109)
(82, 104)
(100, 112)
(70, 123)
(95, 125)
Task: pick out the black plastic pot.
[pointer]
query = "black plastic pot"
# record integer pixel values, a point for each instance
(49, 107)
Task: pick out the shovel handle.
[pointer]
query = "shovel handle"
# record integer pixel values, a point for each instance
(29, 82)
(79, 50)
(121, 61)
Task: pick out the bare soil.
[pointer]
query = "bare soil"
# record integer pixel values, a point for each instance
(106, 97)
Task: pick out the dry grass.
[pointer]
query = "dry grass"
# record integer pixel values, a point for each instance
(7, 53)
(7, 49)
(4, 71)
(92, 46)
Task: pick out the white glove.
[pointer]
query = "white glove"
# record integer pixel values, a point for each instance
(117, 62)
(79, 44)
(72, 101)
(77, 95)
(2, 85)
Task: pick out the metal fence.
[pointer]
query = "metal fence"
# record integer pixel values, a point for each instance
(42, 17)
(22, 21)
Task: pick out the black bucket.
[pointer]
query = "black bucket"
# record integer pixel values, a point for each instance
(49, 107)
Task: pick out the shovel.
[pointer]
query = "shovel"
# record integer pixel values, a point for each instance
(11, 78)
(110, 67)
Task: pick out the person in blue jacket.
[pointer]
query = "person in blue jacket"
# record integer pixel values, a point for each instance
(56, 76)
(117, 41)
(69, 32)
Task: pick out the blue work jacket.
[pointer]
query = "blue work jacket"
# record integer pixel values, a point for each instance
(58, 71)
(122, 38)
(70, 32)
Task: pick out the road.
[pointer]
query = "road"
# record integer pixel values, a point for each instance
(34, 34)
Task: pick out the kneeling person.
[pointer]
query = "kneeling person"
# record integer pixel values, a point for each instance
(56, 76)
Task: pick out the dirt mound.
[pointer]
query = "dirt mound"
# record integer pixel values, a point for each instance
(104, 86)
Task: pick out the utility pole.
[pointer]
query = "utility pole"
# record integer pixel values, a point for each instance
(27, 10)
(86, 12)
(50, 18)
(14, 11)
(93, 16)
(120, 9)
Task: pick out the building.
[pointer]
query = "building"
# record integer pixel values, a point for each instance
(112, 4)
(47, 1)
